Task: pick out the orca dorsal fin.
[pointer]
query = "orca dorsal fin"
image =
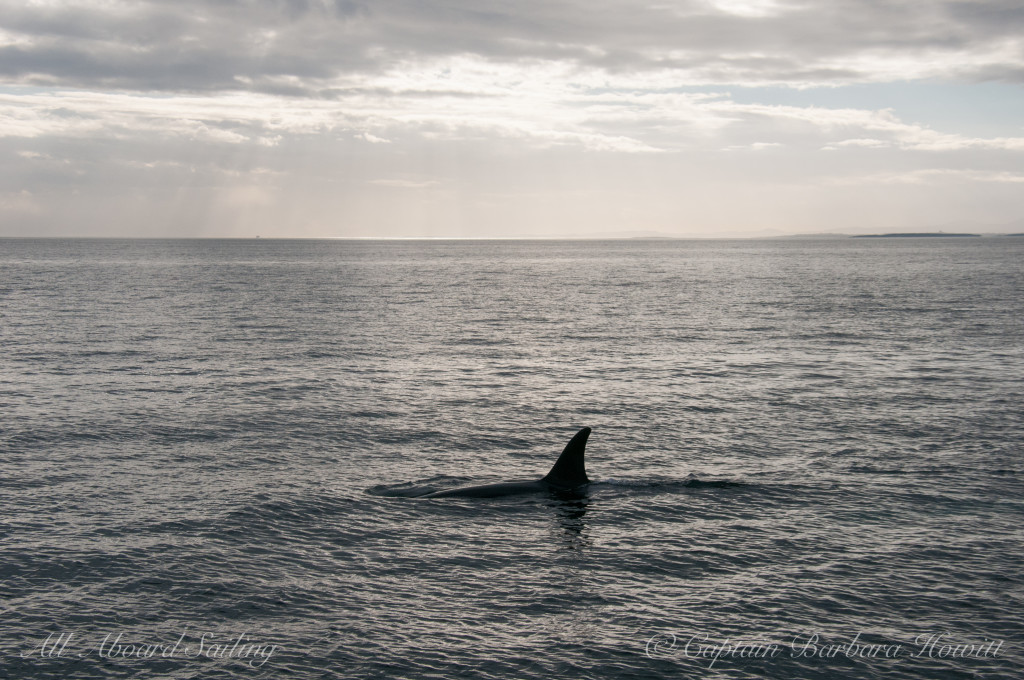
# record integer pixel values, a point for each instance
(568, 471)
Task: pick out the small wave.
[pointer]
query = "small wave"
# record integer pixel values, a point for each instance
(712, 483)
(659, 484)
(874, 470)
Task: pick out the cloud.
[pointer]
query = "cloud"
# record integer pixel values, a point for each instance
(307, 47)
(551, 113)
(606, 76)
(756, 146)
(866, 143)
(19, 203)
(947, 176)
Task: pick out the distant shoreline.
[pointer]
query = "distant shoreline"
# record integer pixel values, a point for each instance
(918, 235)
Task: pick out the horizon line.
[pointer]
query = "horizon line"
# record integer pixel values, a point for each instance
(820, 235)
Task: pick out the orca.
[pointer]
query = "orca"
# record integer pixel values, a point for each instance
(568, 474)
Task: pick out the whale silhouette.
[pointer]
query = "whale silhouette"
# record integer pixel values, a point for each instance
(567, 474)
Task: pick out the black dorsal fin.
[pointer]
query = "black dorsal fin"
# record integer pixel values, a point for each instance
(569, 472)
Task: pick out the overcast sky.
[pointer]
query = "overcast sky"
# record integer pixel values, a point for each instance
(530, 118)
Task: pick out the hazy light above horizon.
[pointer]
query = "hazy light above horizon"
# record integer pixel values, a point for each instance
(479, 119)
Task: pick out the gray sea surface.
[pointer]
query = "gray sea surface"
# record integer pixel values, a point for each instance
(808, 458)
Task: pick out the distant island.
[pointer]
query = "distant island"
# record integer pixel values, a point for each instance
(937, 234)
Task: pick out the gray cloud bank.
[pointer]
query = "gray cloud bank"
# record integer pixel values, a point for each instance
(310, 47)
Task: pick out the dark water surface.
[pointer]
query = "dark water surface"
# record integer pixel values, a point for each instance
(803, 447)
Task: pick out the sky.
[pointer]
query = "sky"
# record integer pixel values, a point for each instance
(534, 118)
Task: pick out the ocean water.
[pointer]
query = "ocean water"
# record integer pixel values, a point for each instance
(807, 459)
